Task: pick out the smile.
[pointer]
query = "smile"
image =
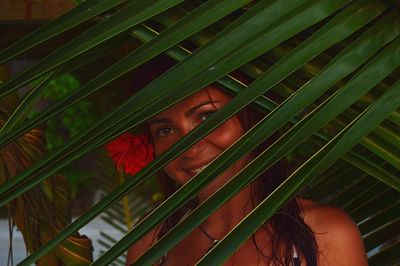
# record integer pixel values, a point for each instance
(198, 170)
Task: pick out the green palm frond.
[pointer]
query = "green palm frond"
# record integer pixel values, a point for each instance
(124, 214)
(325, 73)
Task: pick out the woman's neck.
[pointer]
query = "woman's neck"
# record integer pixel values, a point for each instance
(231, 213)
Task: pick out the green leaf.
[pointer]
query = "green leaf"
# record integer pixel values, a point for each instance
(198, 19)
(352, 134)
(122, 20)
(76, 16)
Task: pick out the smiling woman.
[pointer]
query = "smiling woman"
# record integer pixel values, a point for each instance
(302, 232)
(169, 126)
(333, 67)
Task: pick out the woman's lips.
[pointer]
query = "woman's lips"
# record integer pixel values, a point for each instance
(195, 171)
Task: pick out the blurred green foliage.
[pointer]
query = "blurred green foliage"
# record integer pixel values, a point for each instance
(67, 125)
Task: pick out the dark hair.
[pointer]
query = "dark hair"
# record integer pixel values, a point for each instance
(286, 228)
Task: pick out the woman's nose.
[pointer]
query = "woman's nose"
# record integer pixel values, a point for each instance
(195, 150)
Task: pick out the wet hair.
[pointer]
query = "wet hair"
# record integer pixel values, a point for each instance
(286, 229)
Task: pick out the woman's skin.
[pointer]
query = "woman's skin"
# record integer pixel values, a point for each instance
(338, 238)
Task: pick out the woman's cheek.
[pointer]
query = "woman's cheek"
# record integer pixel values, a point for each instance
(226, 134)
(161, 146)
(177, 176)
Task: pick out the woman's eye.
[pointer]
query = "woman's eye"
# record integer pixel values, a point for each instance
(162, 132)
(204, 116)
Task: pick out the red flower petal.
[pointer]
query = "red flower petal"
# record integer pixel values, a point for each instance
(130, 153)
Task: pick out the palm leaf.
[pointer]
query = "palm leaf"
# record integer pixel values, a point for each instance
(122, 215)
(333, 65)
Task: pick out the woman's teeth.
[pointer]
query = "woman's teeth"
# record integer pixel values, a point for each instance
(198, 170)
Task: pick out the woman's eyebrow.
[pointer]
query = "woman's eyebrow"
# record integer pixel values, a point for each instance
(165, 120)
(194, 108)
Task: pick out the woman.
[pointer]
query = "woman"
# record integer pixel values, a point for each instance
(301, 233)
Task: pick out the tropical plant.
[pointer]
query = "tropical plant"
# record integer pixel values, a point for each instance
(44, 210)
(331, 66)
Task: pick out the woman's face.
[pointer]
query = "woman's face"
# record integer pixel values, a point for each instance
(172, 124)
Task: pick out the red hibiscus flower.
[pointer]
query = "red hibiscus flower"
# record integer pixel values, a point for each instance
(130, 152)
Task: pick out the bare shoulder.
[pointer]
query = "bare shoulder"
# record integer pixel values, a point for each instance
(338, 238)
(142, 245)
